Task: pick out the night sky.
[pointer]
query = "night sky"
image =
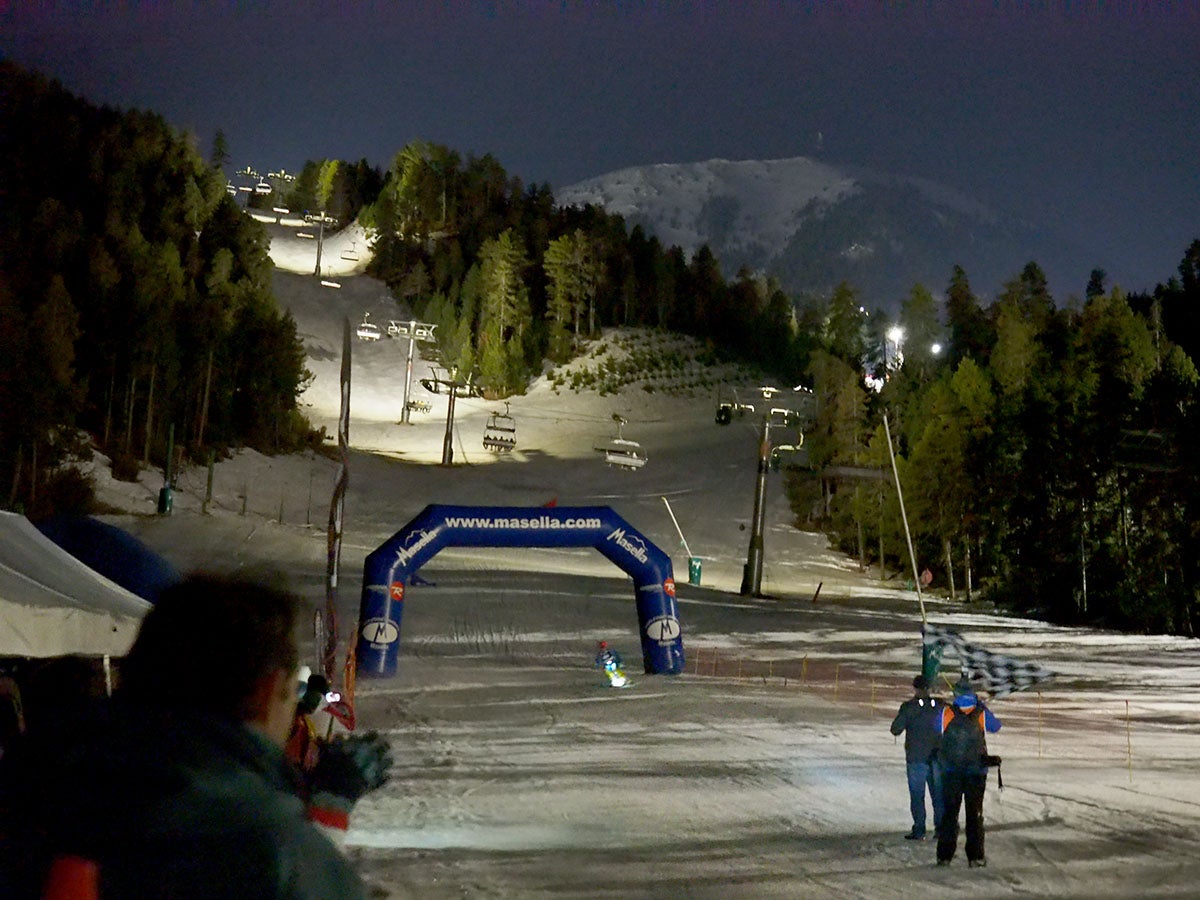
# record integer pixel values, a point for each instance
(1079, 117)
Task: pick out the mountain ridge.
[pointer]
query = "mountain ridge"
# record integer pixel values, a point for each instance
(814, 224)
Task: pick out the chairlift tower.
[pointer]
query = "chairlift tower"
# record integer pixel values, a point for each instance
(752, 572)
(455, 389)
(414, 331)
(322, 219)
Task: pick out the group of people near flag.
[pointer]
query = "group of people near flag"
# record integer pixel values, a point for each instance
(945, 752)
(945, 743)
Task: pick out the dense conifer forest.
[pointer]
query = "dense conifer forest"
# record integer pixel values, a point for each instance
(135, 299)
(1042, 442)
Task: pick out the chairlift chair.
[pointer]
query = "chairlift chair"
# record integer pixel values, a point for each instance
(351, 255)
(622, 452)
(790, 456)
(368, 330)
(262, 188)
(500, 433)
(730, 406)
(434, 382)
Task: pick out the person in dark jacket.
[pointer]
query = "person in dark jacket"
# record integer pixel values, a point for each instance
(962, 762)
(919, 718)
(180, 787)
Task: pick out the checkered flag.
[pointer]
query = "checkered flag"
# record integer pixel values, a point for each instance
(998, 675)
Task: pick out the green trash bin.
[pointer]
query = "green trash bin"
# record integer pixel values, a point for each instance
(693, 570)
(164, 501)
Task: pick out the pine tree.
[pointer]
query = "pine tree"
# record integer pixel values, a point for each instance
(219, 157)
(504, 315)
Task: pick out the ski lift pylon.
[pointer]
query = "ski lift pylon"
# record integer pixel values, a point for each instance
(500, 433)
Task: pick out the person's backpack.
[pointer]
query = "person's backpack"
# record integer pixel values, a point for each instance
(963, 745)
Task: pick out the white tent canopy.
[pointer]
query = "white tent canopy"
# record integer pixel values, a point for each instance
(53, 605)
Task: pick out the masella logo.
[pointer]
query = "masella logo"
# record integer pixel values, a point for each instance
(663, 629)
(416, 542)
(634, 545)
(380, 632)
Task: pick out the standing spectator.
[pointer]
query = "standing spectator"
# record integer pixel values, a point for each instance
(919, 719)
(962, 761)
(180, 787)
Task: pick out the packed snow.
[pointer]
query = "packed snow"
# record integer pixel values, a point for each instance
(767, 768)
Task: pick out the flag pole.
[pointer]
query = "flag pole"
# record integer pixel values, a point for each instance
(327, 632)
(679, 530)
(926, 656)
(904, 518)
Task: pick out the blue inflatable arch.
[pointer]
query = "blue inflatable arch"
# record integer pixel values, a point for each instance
(389, 568)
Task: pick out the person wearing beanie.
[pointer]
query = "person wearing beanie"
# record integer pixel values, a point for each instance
(179, 786)
(962, 761)
(919, 719)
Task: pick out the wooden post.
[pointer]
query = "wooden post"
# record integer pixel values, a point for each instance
(212, 459)
(1039, 693)
(1128, 742)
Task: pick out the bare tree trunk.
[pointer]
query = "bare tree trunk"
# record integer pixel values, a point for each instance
(1083, 560)
(149, 416)
(16, 479)
(862, 549)
(129, 400)
(204, 402)
(967, 566)
(33, 476)
(112, 390)
(882, 564)
(949, 565)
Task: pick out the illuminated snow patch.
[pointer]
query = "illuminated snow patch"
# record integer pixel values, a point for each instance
(480, 837)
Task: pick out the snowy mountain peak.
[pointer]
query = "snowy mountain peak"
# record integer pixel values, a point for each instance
(752, 204)
(812, 224)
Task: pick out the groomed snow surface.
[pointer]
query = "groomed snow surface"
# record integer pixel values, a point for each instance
(767, 769)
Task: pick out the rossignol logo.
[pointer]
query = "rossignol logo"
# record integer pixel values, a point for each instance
(634, 546)
(669, 587)
(397, 591)
(663, 629)
(380, 632)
